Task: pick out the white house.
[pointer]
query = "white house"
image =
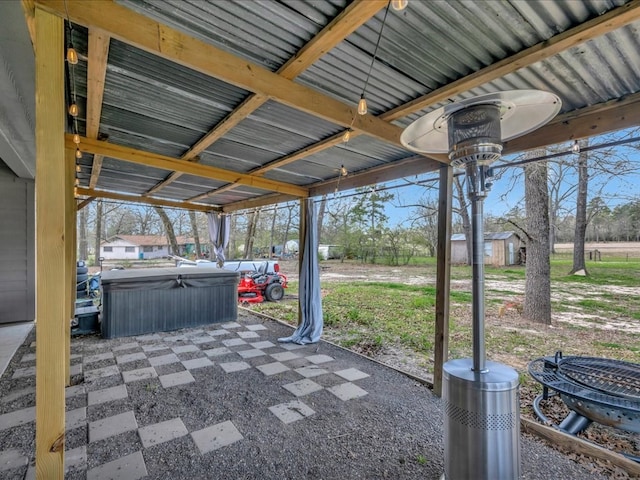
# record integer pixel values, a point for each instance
(139, 247)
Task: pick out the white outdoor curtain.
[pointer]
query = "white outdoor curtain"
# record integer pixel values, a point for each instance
(311, 322)
(219, 233)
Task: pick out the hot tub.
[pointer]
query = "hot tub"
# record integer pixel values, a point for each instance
(135, 302)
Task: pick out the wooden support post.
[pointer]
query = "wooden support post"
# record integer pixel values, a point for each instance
(443, 276)
(301, 246)
(51, 298)
(70, 254)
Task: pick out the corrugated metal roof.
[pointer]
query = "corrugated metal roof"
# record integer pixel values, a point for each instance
(156, 105)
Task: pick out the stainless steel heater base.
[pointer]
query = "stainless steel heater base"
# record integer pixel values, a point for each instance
(482, 421)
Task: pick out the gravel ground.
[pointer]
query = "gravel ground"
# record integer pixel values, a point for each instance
(394, 431)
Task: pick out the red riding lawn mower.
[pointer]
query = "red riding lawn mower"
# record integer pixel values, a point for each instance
(254, 287)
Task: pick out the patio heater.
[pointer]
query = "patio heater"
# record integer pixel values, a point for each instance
(481, 398)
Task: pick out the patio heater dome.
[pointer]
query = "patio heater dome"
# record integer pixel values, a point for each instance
(481, 399)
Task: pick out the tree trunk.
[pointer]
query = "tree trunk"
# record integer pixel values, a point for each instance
(321, 210)
(251, 233)
(83, 244)
(581, 212)
(273, 230)
(233, 247)
(537, 290)
(285, 238)
(466, 221)
(194, 232)
(168, 228)
(98, 240)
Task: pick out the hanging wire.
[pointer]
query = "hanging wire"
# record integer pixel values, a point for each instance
(375, 54)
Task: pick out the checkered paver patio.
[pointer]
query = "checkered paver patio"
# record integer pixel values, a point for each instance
(111, 368)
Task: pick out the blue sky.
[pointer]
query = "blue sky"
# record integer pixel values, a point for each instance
(506, 194)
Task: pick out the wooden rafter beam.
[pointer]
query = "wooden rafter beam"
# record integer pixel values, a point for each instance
(141, 157)
(586, 122)
(154, 37)
(596, 27)
(352, 17)
(146, 200)
(96, 74)
(84, 203)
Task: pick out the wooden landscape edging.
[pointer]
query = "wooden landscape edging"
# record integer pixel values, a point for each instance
(580, 446)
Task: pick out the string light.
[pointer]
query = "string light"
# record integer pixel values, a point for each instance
(343, 171)
(362, 104)
(399, 4)
(75, 191)
(78, 153)
(73, 109)
(347, 135)
(72, 55)
(76, 138)
(576, 147)
(78, 168)
(77, 182)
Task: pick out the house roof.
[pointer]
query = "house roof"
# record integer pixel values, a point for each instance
(487, 236)
(150, 240)
(230, 105)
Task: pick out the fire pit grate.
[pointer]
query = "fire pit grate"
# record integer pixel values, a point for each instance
(595, 389)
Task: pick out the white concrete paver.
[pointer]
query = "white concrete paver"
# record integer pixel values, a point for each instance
(317, 359)
(254, 352)
(164, 359)
(130, 467)
(311, 371)
(90, 375)
(10, 459)
(351, 374)
(75, 418)
(273, 368)
(162, 432)
(291, 411)
(197, 363)
(18, 417)
(110, 426)
(215, 437)
(178, 378)
(216, 352)
(185, 349)
(347, 391)
(107, 395)
(303, 387)
(233, 342)
(284, 356)
(131, 357)
(139, 374)
(230, 367)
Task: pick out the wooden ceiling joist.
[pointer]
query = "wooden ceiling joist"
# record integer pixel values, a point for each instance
(154, 37)
(92, 193)
(98, 51)
(598, 26)
(141, 157)
(352, 17)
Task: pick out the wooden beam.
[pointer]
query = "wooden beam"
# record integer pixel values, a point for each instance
(352, 17)
(96, 74)
(29, 8)
(257, 202)
(70, 254)
(407, 167)
(152, 36)
(443, 276)
(578, 445)
(596, 27)
(216, 191)
(146, 200)
(141, 157)
(51, 299)
(586, 122)
(84, 203)
(348, 21)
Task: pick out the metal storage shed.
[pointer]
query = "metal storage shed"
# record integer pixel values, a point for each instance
(500, 249)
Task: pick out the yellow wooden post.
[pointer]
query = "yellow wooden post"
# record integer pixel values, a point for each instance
(70, 255)
(51, 298)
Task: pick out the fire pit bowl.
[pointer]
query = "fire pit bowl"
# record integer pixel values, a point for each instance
(595, 389)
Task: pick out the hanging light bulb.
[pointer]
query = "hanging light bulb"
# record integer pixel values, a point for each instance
(362, 105)
(75, 191)
(343, 171)
(77, 182)
(399, 4)
(72, 55)
(73, 110)
(76, 138)
(347, 136)
(576, 147)
(78, 168)
(78, 153)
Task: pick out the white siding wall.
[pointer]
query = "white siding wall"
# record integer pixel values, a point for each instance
(119, 252)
